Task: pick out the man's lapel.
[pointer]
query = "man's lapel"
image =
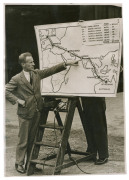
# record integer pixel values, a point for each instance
(34, 79)
(24, 80)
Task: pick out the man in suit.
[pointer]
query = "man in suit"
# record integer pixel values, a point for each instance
(24, 89)
(96, 128)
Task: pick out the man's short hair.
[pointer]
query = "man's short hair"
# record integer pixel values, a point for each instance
(22, 57)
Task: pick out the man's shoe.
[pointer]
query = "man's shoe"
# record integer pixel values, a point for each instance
(101, 161)
(93, 159)
(93, 156)
(20, 168)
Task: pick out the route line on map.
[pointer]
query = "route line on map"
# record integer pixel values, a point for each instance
(76, 55)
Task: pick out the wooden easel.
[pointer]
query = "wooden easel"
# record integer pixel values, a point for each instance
(64, 146)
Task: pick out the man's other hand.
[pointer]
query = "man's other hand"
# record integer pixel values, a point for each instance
(21, 102)
(71, 63)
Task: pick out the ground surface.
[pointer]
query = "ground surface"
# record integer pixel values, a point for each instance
(115, 121)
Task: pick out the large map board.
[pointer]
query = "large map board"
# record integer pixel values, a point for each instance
(97, 46)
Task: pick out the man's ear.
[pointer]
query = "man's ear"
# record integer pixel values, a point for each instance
(23, 64)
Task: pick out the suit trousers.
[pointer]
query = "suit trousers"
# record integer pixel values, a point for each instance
(27, 131)
(95, 125)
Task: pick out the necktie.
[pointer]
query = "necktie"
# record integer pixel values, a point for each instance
(31, 79)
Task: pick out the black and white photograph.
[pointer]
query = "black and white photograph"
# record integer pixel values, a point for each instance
(64, 90)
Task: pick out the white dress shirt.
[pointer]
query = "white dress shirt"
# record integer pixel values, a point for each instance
(27, 75)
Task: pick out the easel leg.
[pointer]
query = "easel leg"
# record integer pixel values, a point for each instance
(61, 124)
(65, 135)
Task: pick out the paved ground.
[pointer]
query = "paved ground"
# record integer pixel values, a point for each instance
(115, 121)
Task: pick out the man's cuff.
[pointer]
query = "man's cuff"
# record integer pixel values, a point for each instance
(65, 65)
(16, 101)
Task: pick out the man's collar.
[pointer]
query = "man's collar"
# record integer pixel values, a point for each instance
(25, 72)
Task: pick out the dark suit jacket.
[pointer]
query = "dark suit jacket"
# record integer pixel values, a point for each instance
(20, 88)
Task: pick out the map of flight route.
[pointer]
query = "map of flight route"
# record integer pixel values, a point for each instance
(81, 58)
(96, 45)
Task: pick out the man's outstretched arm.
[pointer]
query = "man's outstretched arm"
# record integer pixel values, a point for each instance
(55, 69)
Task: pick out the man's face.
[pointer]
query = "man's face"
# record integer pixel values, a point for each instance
(29, 64)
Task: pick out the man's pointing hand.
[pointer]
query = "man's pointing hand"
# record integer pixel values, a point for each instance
(71, 63)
